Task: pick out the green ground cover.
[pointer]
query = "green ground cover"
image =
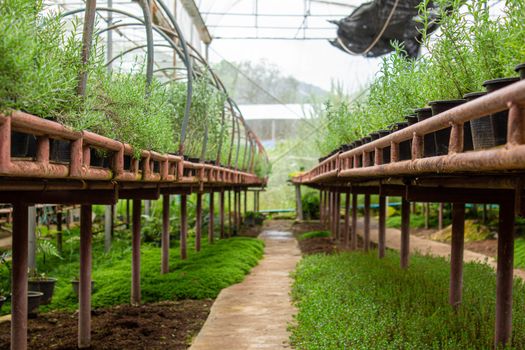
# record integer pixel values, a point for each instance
(357, 301)
(202, 275)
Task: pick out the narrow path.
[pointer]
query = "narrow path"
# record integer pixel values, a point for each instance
(255, 313)
(426, 246)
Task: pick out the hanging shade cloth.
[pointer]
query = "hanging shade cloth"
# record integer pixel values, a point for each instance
(371, 28)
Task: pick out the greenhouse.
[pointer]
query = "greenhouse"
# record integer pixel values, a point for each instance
(262, 175)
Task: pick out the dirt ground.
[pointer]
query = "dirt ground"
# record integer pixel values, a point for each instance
(488, 247)
(164, 325)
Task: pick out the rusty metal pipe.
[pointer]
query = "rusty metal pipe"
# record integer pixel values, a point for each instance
(19, 277)
(198, 223)
(135, 252)
(366, 236)
(221, 213)
(165, 240)
(211, 224)
(346, 239)
(405, 233)
(84, 289)
(183, 225)
(456, 254)
(382, 227)
(353, 240)
(504, 274)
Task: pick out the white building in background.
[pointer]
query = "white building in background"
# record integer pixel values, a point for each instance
(274, 122)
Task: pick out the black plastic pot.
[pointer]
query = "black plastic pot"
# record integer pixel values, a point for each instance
(33, 302)
(2, 301)
(22, 145)
(500, 119)
(520, 68)
(429, 140)
(46, 286)
(60, 151)
(443, 135)
(481, 128)
(75, 284)
(96, 158)
(386, 150)
(411, 119)
(127, 162)
(405, 147)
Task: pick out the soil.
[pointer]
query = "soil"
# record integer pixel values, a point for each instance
(163, 325)
(487, 247)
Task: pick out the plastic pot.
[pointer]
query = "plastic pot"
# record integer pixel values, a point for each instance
(520, 68)
(481, 128)
(405, 147)
(96, 158)
(386, 150)
(60, 151)
(127, 162)
(429, 140)
(500, 119)
(75, 284)
(411, 119)
(370, 155)
(443, 136)
(33, 302)
(46, 286)
(22, 145)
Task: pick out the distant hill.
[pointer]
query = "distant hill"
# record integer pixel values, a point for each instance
(242, 78)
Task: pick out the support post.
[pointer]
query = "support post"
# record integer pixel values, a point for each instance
(135, 253)
(346, 239)
(230, 226)
(108, 223)
(321, 199)
(440, 216)
(337, 215)
(84, 288)
(405, 232)
(331, 212)
(165, 240)
(456, 254)
(211, 219)
(382, 227)
(504, 274)
(198, 223)
(31, 225)
(183, 225)
(366, 236)
(353, 239)
(298, 203)
(19, 278)
(245, 202)
(221, 213)
(59, 230)
(427, 210)
(127, 214)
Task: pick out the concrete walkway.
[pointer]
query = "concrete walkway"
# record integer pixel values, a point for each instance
(426, 246)
(255, 313)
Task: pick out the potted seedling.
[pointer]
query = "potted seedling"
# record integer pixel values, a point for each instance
(4, 261)
(2, 298)
(75, 283)
(253, 218)
(40, 282)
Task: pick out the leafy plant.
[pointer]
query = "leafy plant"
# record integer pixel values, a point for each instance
(357, 301)
(310, 203)
(314, 234)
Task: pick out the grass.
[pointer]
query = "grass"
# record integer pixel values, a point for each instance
(314, 234)
(202, 275)
(357, 301)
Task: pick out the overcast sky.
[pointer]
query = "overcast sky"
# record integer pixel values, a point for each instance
(311, 61)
